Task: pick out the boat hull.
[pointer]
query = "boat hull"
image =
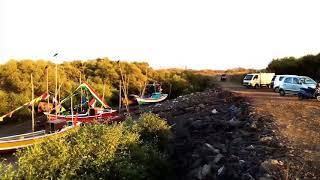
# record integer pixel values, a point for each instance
(104, 117)
(12, 143)
(151, 100)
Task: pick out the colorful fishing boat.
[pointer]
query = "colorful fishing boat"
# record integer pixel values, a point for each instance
(59, 119)
(95, 110)
(154, 95)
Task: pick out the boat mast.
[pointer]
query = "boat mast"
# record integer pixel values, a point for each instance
(56, 91)
(59, 95)
(120, 96)
(104, 88)
(145, 84)
(71, 109)
(80, 92)
(47, 71)
(32, 97)
(124, 88)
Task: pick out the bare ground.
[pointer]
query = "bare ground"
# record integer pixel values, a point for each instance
(298, 121)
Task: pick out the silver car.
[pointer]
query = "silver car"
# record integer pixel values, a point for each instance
(277, 80)
(292, 84)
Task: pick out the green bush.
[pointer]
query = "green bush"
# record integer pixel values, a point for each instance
(305, 66)
(127, 150)
(153, 130)
(101, 74)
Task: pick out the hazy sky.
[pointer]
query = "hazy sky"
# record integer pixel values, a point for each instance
(166, 33)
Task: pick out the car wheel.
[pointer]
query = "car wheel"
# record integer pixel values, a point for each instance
(256, 86)
(300, 97)
(318, 97)
(276, 89)
(282, 92)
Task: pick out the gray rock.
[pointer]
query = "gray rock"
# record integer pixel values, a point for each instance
(197, 123)
(221, 170)
(236, 140)
(242, 163)
(218, 158)
(253, 125)
(270, 165)
(202, 106)
(266, 139)
(189, 109)
(247, 176)
(234, 109)
(196, 163)
(265, 178)
(234, 122)
(214, 111)
(251, 147)
(204, 171)
(211, 148)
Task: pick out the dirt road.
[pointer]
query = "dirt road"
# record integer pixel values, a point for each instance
(298, 121)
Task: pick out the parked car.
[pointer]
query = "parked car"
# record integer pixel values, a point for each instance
(293, 84)
(277, 80)
(223, 77)
(257, 80)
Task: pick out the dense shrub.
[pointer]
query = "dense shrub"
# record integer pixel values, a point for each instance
(119, 151)
(308, 65)
(15, 88)
(153, 130)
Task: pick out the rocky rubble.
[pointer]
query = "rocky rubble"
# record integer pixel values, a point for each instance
(218, 136)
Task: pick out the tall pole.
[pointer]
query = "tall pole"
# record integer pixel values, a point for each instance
(145, 83)
(59, 95)
(59, 90)
(71, 110)
(104, 88)
(80, 92)
(119, 96)
(48, 88)
(32, 97)
(56, 91)
(124, 89)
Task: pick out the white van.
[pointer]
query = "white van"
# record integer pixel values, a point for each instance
(258, 80)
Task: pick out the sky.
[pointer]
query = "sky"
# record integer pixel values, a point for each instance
(197, 34)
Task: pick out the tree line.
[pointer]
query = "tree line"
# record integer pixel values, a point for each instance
(308, 65)
(102, 74)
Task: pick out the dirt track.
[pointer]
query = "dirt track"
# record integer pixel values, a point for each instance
(298, 121)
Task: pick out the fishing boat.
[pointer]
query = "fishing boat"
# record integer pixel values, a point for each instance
(12, 143)
(59, 120)
(154, 98)
(154, 95)
(95, 110)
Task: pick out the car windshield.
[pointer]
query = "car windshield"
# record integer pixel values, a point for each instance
(248, 77)
(308, 81)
